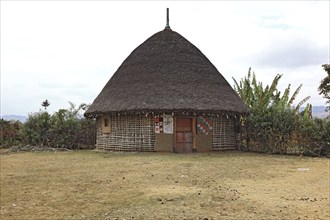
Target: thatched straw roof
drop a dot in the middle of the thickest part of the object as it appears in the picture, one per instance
(167, 73)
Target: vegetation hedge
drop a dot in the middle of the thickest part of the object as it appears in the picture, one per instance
(275, 125)
(63, 129)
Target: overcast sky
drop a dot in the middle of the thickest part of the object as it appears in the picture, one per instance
(67, 51)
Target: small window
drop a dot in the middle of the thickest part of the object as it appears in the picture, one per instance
(106, 125)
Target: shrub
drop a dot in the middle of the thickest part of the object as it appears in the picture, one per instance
(10, 133)
(64, 129)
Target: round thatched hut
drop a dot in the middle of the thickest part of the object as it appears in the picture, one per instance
(167, 96)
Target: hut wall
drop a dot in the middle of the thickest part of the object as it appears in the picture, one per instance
(224, 133)
(203, 143)
(127, 133)
(164, 142)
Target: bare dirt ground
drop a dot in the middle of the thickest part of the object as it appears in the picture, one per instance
(225, 185)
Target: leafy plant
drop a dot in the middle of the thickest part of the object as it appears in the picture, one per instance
(10, 132)
(64, 129)
(324, 87)
(273, 120)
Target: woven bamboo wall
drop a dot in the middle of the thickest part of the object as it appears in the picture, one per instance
(128, 133)
(224, 133)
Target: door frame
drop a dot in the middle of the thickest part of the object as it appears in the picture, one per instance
(193, 131)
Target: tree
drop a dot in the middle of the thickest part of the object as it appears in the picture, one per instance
(324, 87)
(45, 104)
(74, 111)
(272, 119)
(10, 132)
(45, 124)
(36, 128)
(256, 96)
(64, 128)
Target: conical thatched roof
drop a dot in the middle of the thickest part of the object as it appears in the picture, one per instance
(167, 73)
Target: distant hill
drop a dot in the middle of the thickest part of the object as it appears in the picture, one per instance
(318, 111)
(15, 118)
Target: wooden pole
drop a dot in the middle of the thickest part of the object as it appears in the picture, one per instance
(167, 19)
(194, 134)
(174, 133)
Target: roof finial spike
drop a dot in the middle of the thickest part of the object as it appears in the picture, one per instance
(167, 19)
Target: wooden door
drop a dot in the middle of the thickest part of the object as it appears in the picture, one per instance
(184, 137)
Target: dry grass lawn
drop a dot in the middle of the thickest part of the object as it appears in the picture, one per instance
(226, 185)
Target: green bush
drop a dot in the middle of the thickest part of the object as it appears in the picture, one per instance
(10, 133)
(275, 126)
(314, 137)
(63, 129)
(36, 127)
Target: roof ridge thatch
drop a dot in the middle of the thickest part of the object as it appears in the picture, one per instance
(167, 73)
